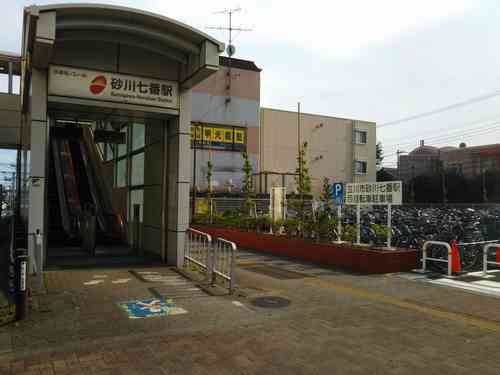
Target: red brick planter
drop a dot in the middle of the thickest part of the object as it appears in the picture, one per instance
(353, 258)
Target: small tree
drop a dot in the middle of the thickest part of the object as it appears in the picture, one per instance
(379, 154)
(326, 194)
(303, 182)
(247, 182)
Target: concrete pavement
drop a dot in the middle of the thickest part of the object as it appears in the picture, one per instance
(336, 323)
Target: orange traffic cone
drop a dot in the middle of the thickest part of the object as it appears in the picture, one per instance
(456, 267)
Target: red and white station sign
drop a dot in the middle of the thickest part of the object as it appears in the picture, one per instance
(112, 87)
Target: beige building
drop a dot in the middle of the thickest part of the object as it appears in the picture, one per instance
(341, 149)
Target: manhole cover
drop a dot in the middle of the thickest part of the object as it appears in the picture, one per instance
(271, 302)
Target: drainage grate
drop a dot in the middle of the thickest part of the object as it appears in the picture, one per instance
(275, 272)
(271, 302)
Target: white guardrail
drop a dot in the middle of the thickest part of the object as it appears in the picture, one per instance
(217, 258)
(425, 258)
(486, 250)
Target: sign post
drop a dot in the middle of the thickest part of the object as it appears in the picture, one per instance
(389, 226)
(338, 200)
(339, 223)
(375, 194)
(358, 224)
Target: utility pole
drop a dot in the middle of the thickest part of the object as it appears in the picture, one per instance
(483, 176)
(299, 150)
(231, 49)
(194, 143)
(399, 152)
(1, 200)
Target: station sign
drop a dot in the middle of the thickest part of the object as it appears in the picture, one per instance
(374, 193)
(112, 87)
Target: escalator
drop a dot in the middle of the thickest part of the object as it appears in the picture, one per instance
(80, 207)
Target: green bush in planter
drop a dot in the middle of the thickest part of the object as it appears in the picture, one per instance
(277, 225)
(349, 233)
(291, 226)
(263, 223)
(380, 230)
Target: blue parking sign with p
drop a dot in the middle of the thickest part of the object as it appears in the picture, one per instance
(338, 193)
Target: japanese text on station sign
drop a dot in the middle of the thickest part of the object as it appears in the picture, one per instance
(115, 87)
(374, 193)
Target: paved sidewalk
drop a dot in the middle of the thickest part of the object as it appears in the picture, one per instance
(336, 323)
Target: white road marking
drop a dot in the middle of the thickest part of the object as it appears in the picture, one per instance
(467, 286)
(491, 284)
(120, 281)
(93, 282)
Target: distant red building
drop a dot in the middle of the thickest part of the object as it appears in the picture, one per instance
(468, 161)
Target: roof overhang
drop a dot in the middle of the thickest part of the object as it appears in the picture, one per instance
(45, 25)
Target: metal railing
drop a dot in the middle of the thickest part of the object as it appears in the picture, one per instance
(425, 258)
(486, 250)
(224, 261)
(197, 249)
(217, 258)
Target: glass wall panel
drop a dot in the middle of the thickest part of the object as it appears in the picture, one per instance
(121, 173)
(138, 132)
(136, 197)
(109, 152)
(137, 170)
(122, 149)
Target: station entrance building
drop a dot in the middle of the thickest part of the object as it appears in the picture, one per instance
(105, 106)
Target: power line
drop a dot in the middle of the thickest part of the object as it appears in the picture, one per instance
(442, 109)
(479, 121)
(448, 139)
(454, 134)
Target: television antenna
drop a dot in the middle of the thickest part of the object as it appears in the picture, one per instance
(231, 49)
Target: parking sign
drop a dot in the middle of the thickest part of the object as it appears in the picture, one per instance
(338, 193)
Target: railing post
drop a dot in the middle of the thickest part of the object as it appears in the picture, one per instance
(424, 256)
(485, 260)
(22, 271)
(486, 249)
(232, 274)
(449, 260)
(213, 250)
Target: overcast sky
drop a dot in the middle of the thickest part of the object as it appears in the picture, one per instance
(372, 60)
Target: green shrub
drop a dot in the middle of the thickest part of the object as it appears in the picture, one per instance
(263, 223)
(292, 226)
(349, 233)
(380, 230)
(277, 225)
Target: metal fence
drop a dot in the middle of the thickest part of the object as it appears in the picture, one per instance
(216, 258)
(486, 252)
(224, 261)
(425, 258)
(197, 249)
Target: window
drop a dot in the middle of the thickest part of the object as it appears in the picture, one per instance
(138, 133)
(122, 149)
(109, 152)
(360, 137)
(136, 198)
(121, 173)
(360, 167)
(137, 170)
